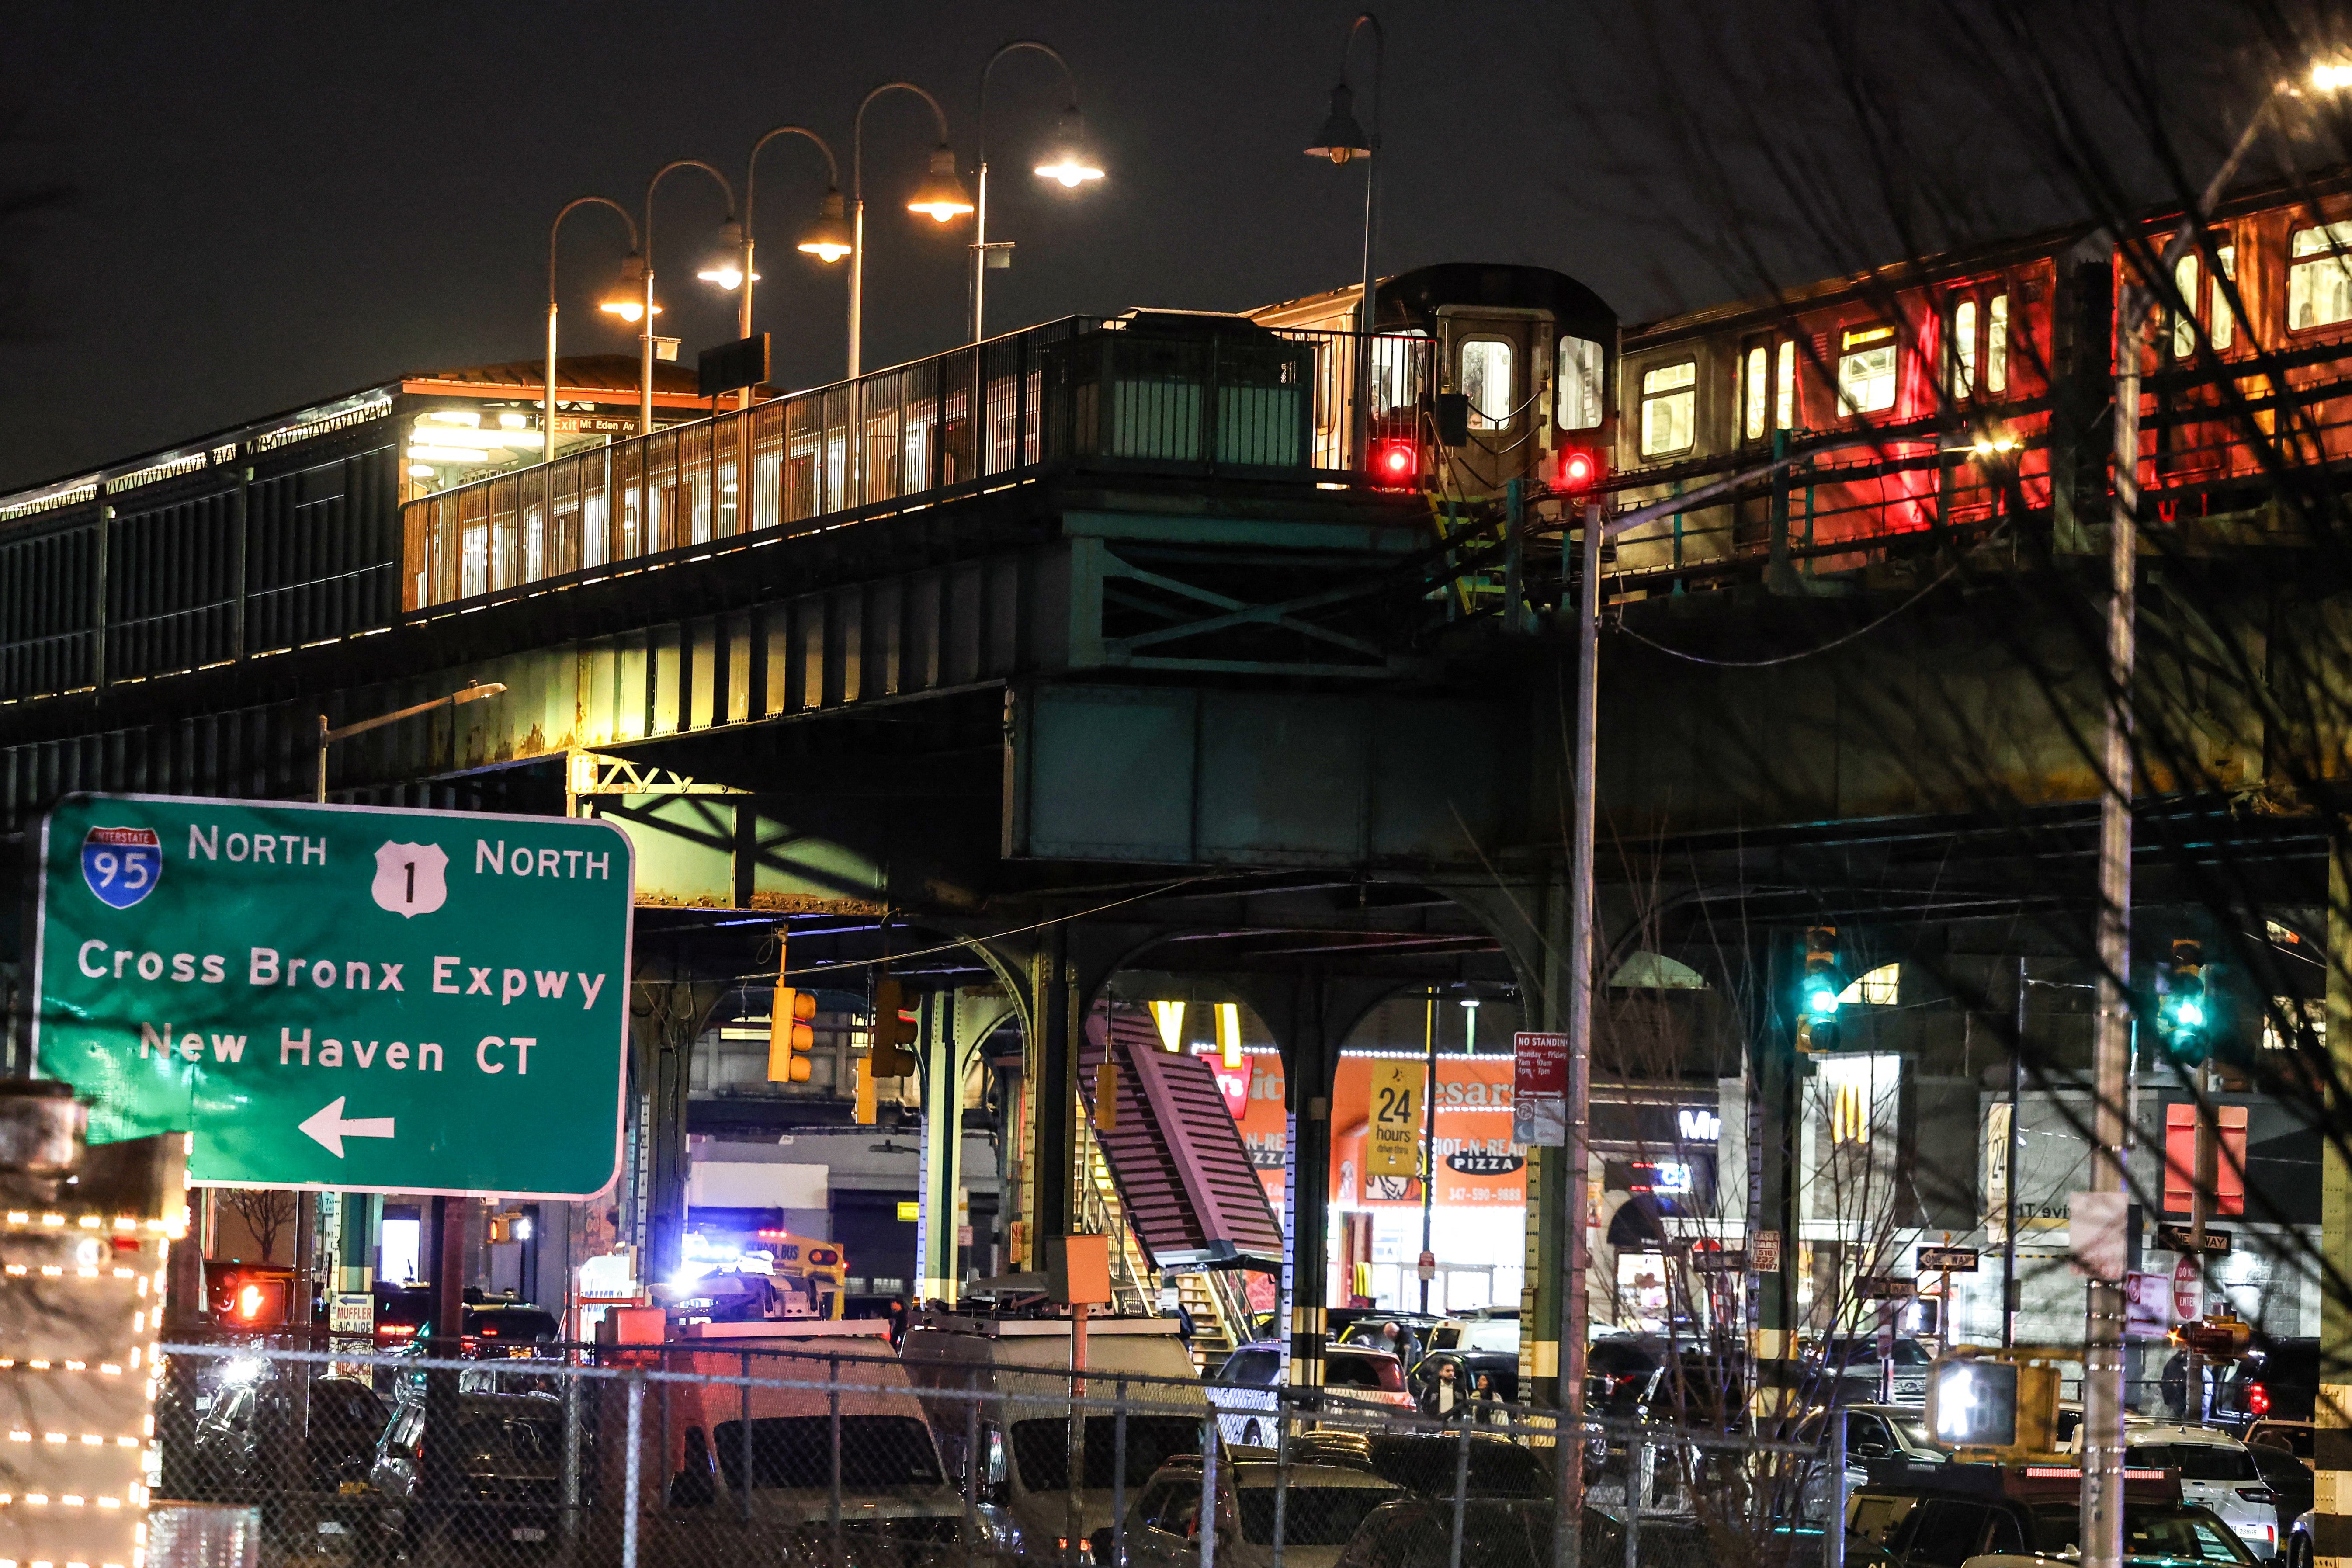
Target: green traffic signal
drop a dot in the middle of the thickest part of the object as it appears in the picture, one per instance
(2183, 1017)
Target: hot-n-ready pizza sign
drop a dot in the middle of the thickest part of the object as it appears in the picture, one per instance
(340, 996)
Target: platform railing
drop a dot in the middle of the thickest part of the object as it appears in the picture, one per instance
(1217, 397)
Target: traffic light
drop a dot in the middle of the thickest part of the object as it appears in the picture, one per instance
(1396, 463)
(2183, 1016)
(1817, 990)
(1998, 1405)
(791, 1037)
(2220, 1335)
(894, 1031)
(1580, 471)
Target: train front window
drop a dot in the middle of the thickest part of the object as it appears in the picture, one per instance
(1960, 351)
(1485, 376)
(1581, 371)
(2184, 322)
(1669, 408)
(1995, 361)
(2221, 326)
(1866, 370)
(2318, 278)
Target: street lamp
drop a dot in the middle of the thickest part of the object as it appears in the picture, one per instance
(940, 198)
(825, 238)
(1069, 161)
(647, 308)
(1342, 140)
(473, 693)
(2103, 1355)
(547, 417)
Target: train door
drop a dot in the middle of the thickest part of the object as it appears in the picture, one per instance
(1500, 360)
(1767, 372)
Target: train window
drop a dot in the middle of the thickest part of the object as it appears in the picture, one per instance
(1757, 391)
(1784, 410)
(1866, 370)
(1960, 352)
(2223, 322)
(1484, 374)
(1396, 362)
(1580, 372)
(2318, 278)
(2184, 322)
(1996, 360)
(1669, 408)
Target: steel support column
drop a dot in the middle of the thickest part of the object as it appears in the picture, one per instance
(2331, 1457)
(1051, 1066)
(667, 1016)
(941, 1055)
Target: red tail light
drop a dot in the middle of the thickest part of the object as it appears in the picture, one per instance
(1579, 470)
(2258, 1399)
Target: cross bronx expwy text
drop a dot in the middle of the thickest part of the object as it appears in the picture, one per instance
(265, 967)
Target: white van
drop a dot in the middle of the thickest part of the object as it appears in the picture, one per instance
(764, 1456)
(1020, 1368)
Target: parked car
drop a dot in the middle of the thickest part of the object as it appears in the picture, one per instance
(1873, 1434)
(2288, 1476)
(246, 1444)
(1244, 1390)
(510, 1446)
(1418, 1532)
(1937, 1516)
(1855, 1359)
(1325, 1504)
(1425, 1464)
(1630, 1377)
(1488, 1345)
(2278, 1379)
(2216, 1471)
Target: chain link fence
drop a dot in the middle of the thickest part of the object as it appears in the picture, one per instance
(708, 1455)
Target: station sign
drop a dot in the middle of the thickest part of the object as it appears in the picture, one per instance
(340, 997)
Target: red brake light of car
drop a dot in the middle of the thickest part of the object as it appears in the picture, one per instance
(2258, 1399)
(396, 1330)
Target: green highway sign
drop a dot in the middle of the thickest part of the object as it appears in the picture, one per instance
(339, 996)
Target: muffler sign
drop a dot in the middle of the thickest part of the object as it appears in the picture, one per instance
(340, 997)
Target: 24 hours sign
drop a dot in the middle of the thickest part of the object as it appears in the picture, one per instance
(340, 996)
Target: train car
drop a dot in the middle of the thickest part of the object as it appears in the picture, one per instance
(279, 533)
(1531, 352)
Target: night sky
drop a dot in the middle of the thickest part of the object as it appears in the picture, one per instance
(263, 204)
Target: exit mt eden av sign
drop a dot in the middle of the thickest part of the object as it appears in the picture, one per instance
(340, 997)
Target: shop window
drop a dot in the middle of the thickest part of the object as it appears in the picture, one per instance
(1784, 410)
(1669, 408)
(1580, 372)
(2180, 1159)
(2184, 322)
(1995, 361)
(2223, 322)
(1757, 395)
(1879, 988)
(2318, 278)
(1484, 377)
(1866, 370)
(1960, 352)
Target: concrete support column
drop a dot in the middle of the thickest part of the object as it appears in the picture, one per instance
(941, 1056)
(2331, 1452)
(1306, 1204)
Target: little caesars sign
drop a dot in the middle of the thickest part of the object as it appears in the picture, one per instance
(339, 996)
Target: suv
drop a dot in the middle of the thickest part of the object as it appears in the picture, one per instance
(1852, 1360)
(2279, 1380)
(2216, 1472)
(1914, 1516)
(1243, 1391)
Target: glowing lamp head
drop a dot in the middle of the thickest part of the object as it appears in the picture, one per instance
(725, 267)
(827, 238)
(2331, 77)
(942, 197)
(1341, 139)
(1071, 162)
(248, 1302)
(1821, 1002)
(627, 297)
(1395, 463)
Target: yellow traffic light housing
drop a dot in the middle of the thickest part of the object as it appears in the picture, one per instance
(893, 1054)
(791, 1035)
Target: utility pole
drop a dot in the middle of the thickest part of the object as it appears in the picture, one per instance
(1429, 1145)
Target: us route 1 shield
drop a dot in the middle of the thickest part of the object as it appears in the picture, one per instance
(340, 997)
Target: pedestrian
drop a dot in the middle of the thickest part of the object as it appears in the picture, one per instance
(1395, 1337)
(1444, 1394)
(1492, 1410)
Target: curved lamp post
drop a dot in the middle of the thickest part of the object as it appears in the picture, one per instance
(940, 198)
(1070, 161)
(547, 417)
(646, 268)
(1343, 140)
(827, 238)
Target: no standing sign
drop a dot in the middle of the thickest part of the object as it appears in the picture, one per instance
(340, 996)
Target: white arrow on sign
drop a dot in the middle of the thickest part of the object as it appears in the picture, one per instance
(330, 1128)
